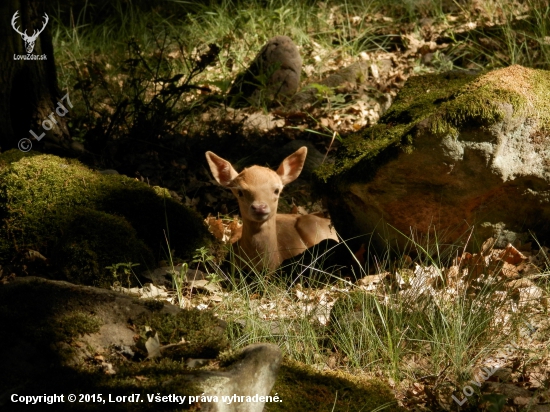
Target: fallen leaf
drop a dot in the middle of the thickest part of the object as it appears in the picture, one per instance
(512, 255)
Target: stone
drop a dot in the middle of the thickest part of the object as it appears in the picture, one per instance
(83, 221)
(252, 376)
(109, 172)
(455, 151)
(273, 75)
(60, 337)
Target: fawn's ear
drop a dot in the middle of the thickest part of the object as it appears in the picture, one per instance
(221, 169)
(291, 167)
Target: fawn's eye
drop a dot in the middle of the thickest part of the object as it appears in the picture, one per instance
(240, 193)
(277, 191)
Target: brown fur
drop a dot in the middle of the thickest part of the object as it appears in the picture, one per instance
(269, 238)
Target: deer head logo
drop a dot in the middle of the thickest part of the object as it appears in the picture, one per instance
(29, 40)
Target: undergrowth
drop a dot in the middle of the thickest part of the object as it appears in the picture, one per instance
(418, 321)
(150, 81)
(146, 73)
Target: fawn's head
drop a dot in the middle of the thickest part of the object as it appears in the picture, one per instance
(257, 188)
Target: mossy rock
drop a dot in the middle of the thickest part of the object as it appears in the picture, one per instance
(373, 146)
(94, 240)
(455, 152)
(44, 198)
(444, 104)
(48, 329)
(72, 339)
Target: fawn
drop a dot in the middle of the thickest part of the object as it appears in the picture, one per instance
(269, 238)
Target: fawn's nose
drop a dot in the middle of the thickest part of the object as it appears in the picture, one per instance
(259, 208)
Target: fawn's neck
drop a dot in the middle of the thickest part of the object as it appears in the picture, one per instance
(258, 244)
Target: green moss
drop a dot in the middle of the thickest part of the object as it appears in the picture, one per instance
(14, 155)
(153, 305)
(301, 388)
(201, 331)
(366, 146)
(423, 94)
(94, 240)
(161, 191)
(76, 324)
(445, 104)
(155, 217)
(43, 196)
(481, 101)
(229, 357)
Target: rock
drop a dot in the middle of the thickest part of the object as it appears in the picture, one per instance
(64, 338)
(503, 236)
(384, 66)
(196, 363)
(455, 151)
(262, 121)
(274, 74)
(252, 376)
(163, 276)
(84, 221)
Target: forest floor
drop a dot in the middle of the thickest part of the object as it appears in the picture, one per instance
(148, 84)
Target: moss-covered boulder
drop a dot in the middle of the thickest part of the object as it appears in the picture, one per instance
(64, 338)
(455, 150)
(94, 240)
(85, 221)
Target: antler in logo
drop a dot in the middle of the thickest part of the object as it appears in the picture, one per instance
(29, 40)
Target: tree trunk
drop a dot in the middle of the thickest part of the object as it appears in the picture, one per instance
(29, 93)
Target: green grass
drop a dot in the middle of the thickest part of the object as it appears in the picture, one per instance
(115, 57)
(404, 335)
(345, 27)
